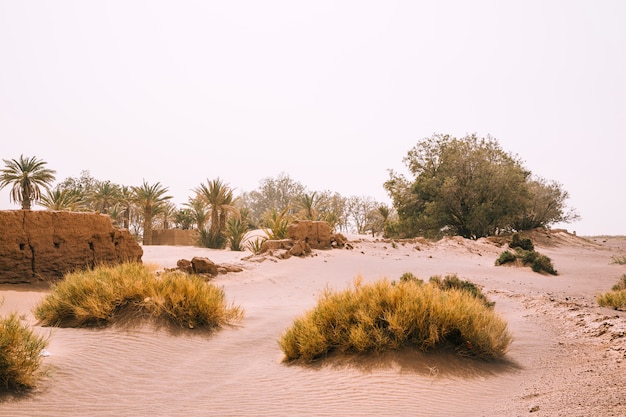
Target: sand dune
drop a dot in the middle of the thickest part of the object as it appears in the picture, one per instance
(567, 357)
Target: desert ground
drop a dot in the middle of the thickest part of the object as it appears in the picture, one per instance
(567, 358)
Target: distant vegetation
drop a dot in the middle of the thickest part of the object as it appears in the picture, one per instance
(472, 188)
(20, 354)
(391, 315)
(524, 253)
(616, 298)
(101, 296)
(468, 187)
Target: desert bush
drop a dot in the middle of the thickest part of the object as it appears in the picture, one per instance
(505, 258)
(99, 296)
(408, 276)
(255, 245)
(542, 263)
(453, 282)
(236, 229)
(277, 223)
(616, 298)
(381, 316)
(523, 243)
(206, 239)
(532, 258)
(20, 354)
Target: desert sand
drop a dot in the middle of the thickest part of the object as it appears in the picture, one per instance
(567, 358)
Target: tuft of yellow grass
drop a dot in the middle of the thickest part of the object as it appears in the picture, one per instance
(99, 296)
(616, 298)
(20, 354)
(386, 316)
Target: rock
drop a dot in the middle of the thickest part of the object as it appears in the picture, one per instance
(202, 265)
(44, 245)
(300, 248)
(185, 266)
(273, 245)
(316, 233)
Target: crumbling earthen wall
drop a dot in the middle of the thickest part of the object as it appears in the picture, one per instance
(44, 245)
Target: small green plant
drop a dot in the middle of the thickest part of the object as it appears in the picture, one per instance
(616, 298)
(255, 245)
(382, 316)
(505, 258)
(236, 229)
(20, 354)
(98, 297)
(277, 224)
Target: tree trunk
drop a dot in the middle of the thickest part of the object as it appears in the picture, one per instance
(147, 229)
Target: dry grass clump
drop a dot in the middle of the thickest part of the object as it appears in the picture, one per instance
(616, 298)
(97, 297)
(20, 354)
(387, 316)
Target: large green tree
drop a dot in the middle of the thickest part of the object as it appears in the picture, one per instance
(151, 200)
(467, 186)
(27, 177)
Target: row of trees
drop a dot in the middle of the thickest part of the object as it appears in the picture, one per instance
(468, 187)
(213, 209)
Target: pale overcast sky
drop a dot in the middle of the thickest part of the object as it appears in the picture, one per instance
(333, 93)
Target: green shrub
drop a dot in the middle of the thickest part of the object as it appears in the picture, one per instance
(20, 354)
(453, 282)
(522, 243)
(236, 229)
(543, 263)
(537, 261)
(213, 241)
(381, 316)
(505, 258)
(616, 298)
(255, 245)
(100, 296)
(408, 276)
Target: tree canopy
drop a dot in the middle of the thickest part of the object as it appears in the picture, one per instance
(27, 176)
(470, 187)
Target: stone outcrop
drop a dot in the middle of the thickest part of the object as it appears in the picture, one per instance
(204, 266)
(316, 234)
(302, 237)
(43, 245)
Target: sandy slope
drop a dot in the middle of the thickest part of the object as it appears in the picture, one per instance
(567, 358)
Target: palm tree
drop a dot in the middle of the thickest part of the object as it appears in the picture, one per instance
(183, 218)
(105, 195)
(27, 176)
(151, 200)
(219, 199)
(61, 199)
(168, 212)
(126, 200)
(198, 211)
(308, 206)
